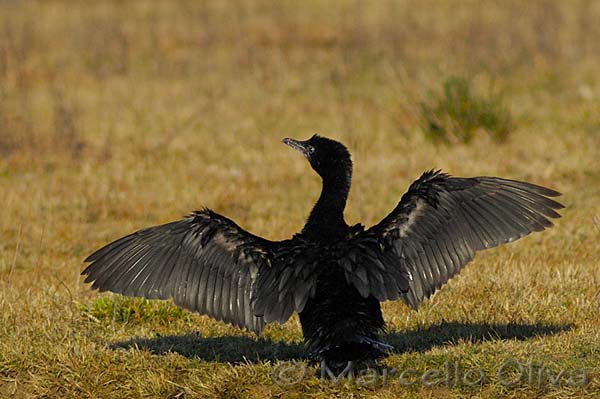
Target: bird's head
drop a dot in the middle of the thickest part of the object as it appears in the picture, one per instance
(329, 158)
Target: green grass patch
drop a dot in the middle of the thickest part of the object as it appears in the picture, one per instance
(125, 310)
(457, 113)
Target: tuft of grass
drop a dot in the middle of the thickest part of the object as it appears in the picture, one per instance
(459, 112)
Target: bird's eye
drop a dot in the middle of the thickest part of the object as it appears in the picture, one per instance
(311, 149)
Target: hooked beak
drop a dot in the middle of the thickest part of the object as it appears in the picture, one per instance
(297, 145)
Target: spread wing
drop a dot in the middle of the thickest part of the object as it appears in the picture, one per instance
(442, 221)
(205, 262)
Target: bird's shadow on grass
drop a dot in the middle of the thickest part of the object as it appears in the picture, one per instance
(239, 349)
(232, 349)
(452, 333)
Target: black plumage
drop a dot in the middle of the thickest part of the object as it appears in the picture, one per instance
(333, 275)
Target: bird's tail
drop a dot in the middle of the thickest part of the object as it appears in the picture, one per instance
(359, 348)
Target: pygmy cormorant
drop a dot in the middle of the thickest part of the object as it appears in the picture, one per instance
(333, 275)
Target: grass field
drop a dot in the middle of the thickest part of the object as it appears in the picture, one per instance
(119, 115)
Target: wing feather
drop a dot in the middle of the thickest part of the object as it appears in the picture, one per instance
(204, 262)
(442, 221)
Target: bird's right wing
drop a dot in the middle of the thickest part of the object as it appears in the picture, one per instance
(205, 262)
(442, 221)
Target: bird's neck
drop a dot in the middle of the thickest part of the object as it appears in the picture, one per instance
(326, 220)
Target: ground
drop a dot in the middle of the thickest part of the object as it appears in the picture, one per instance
(118, 115)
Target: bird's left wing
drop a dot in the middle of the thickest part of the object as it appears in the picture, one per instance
(205, 262)
(286, 286)
(442, 221)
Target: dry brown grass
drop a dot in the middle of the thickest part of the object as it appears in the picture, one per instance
(118, 115)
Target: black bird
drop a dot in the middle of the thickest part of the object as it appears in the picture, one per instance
(333, 275)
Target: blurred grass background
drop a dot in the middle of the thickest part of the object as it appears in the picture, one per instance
(115, 115)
